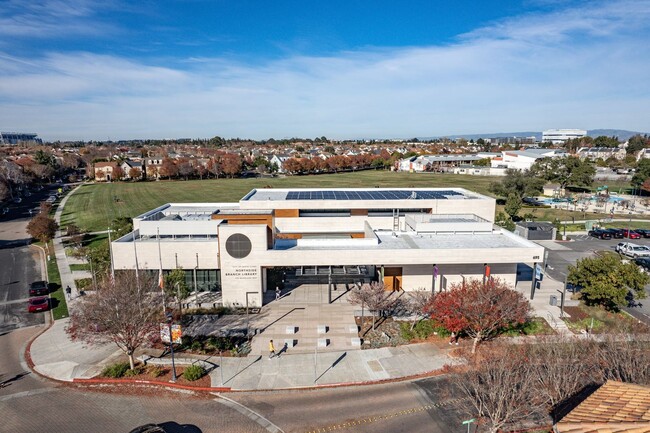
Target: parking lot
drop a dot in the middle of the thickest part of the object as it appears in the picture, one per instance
(562, 254)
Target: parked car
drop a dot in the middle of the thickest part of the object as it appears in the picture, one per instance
(620, 246)
(616, 233)
(644, 263)
(643, 232)
(148, 428)
(38, 288)
(34, 305)
(600, 234)
(631, 234)
(634, 250)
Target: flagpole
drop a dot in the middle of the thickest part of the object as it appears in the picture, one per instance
(135, 253)
(110, 250)
(161, 281)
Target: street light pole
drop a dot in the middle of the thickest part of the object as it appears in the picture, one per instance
(171, 346)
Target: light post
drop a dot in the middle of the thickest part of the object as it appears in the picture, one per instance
(171, 345)
(629, 225)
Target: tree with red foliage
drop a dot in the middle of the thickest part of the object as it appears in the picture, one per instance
(118, 173)
(231, 164)
(291, 165)
(479, 309)
(168, 168)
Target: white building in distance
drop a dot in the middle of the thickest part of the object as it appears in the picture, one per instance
(560, 136)
(407, 238)
(524, 159)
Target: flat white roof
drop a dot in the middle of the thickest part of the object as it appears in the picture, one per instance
(411, 240)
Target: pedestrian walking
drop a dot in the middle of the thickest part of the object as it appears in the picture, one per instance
(277, 293)
(68, 292)
(452, 338)
(271, 349)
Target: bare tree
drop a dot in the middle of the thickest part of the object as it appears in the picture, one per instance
(624, 359)
(500, 389)
(373, 296)
(416, 304)
(126, 311)
(560, 368)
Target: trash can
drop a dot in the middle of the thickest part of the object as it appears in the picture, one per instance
(553, 300)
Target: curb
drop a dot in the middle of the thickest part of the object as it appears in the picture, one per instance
(150, 382)
(95, 381)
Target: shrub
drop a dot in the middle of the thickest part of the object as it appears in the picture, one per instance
(136, 371)
(219, 344)
(196, 346)
(423, 329)
(115, 370)
(194, 372)
(156, 371)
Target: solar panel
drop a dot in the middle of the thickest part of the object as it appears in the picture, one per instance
(371, 195)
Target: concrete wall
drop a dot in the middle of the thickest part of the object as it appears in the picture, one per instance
(147, 252)
(421, 276)
(150, 228)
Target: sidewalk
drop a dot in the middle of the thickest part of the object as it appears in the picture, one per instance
(67, 277)
(258, 372)
(541, 304)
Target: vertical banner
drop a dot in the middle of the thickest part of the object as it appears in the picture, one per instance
(177, 333)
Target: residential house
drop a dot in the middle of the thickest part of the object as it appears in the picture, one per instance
(593, 153)
(151, 166)
(279, 160)
(104, 171)
(615, 407)
(128, 165)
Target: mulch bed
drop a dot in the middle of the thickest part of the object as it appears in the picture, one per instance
(166, 376)
(576, 313)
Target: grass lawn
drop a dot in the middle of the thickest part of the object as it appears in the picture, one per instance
(94, 206)
(80, 267)
(60, 307)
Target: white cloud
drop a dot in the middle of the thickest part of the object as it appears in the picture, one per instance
(576, 68)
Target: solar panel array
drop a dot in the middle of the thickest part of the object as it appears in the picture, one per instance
(371, 195)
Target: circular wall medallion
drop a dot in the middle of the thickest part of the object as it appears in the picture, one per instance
(238, 246)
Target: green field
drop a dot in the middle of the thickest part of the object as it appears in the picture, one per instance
(94, 206)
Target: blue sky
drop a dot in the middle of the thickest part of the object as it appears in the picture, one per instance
(85, 69)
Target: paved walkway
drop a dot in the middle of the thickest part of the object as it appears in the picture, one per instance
(289, 370)
(541, 304)
(67, 277)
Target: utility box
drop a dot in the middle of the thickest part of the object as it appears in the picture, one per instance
(553, 300)
(536, 231)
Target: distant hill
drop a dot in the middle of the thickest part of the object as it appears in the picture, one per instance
(622, 134)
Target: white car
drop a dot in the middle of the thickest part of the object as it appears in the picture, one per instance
(634, 251)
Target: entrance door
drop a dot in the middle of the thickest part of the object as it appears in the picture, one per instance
(392, 278)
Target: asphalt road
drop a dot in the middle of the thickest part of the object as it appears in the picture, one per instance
(419, 406)
(586, 246)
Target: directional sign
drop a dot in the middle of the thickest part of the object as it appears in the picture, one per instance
(469, 421)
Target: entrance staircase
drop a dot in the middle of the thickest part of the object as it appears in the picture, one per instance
(306, 328)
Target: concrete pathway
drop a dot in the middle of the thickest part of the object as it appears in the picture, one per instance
(541, 302)
(290, 370)
(54, 355)
(67, 277)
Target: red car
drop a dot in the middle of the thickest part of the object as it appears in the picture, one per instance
(631, 234)
(42, 303)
